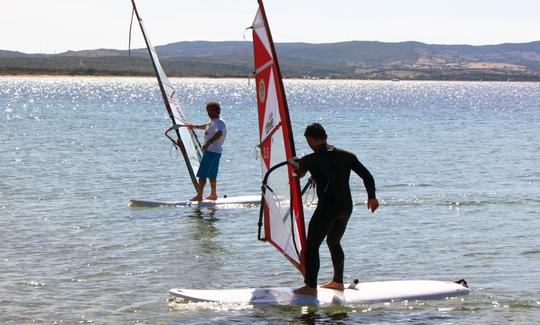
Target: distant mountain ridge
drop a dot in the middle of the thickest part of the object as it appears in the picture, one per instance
(354, 59)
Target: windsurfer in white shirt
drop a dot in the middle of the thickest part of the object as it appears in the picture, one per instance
(214, 137)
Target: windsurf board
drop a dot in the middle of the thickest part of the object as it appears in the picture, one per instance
(224, 201)
(362, 293)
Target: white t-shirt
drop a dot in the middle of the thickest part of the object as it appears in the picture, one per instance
(216, 124)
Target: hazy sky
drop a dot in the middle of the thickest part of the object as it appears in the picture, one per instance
(53, 26)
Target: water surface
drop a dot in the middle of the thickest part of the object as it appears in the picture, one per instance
(456, 166)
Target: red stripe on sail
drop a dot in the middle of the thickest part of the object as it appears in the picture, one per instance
(261, 55)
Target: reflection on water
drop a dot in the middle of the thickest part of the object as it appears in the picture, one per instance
(204, 213)
(203, 224)
(315, 315)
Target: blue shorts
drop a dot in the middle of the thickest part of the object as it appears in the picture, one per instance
(209, 165)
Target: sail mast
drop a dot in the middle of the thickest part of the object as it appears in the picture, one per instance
(281, 206)
(170, 99)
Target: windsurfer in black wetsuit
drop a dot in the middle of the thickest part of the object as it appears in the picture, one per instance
(331, 168)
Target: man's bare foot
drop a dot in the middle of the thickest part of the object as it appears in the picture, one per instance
(333, 285)
(305, 290)
(196, 198)
(212, 197)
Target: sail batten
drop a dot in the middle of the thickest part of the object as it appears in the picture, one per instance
(281, 208)
(186, 140)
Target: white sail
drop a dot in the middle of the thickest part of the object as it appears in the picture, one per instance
(186, 140)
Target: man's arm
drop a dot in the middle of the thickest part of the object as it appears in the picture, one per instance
(212, 139)
(369, 183)
(198, 126)
(299, 166)
(191, 126)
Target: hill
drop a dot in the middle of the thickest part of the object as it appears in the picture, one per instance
(355, 59)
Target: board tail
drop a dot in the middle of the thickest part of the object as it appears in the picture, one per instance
(281, 205)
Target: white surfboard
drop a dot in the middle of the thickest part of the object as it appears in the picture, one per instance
(367, 292)
(225, 201)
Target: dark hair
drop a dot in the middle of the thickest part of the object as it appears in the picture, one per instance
(316, 131)
(214, 105)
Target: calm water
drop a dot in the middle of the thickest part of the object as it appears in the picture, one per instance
(457, 166)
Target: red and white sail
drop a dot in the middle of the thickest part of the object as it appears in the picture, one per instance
(186, 140)
(282, 211)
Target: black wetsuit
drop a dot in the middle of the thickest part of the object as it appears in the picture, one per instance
(331, 168)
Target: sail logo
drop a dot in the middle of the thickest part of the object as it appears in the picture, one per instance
(262, 91)
(269, 125)
(265, 153)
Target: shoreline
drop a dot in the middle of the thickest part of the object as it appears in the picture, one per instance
(60, 76)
